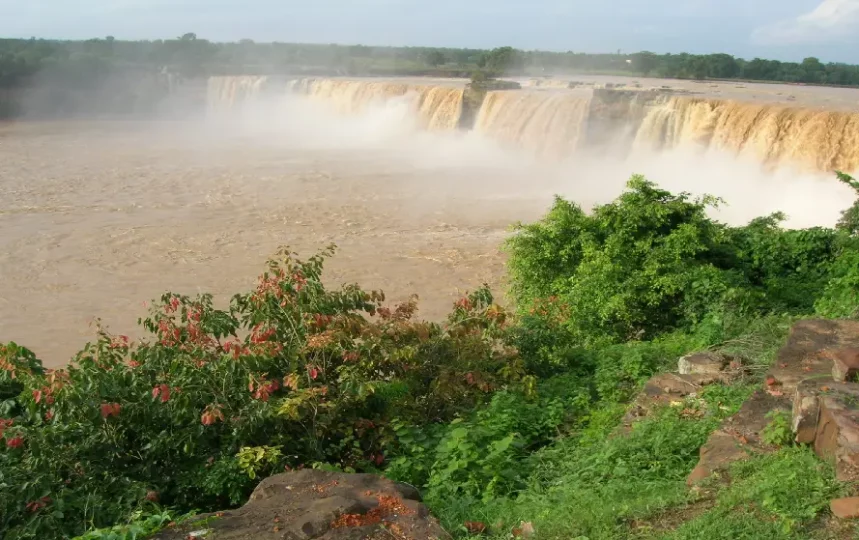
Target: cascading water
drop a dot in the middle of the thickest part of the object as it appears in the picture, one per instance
(436, 107)
(225, 93)
(547, 123)
(555, 123)
(774, 134)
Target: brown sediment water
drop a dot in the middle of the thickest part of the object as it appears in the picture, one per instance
(98, 217)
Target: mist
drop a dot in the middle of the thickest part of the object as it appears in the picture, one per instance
(471, 165)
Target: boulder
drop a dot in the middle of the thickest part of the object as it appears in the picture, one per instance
(826, 415)
(718, 453)
(312, 504)
(737, 437)
(665, 389)
(845, 364)
(672, 385)
(703, 363)
(806, 411)
(846, 508)
(808, 352)
(837, 436)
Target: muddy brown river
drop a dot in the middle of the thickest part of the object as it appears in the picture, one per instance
(98, 217)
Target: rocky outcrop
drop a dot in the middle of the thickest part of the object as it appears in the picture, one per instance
(313, 504)
(845, 365)
(695, 371)
(846, 508)
(801, 381)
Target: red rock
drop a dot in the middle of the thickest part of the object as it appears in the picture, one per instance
(706, 363)
(846, 508)
(806, 411)
(845, 364)
(837, 436)
(720, 450)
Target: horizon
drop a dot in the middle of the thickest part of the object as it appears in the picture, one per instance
(617, 52)
(785, 31)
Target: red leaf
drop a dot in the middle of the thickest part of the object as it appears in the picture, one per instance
(16, 442)
(475, 527)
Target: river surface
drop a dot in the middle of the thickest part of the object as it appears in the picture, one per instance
(96, 218)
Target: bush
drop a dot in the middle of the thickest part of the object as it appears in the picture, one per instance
(482, 454)
(289, 375)
(849, 221)
(651, 263)
(640, 266)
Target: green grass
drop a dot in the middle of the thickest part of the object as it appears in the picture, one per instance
(597, 485)
(774, 496)
(593, 486)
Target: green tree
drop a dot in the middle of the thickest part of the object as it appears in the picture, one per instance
(435, 58)
(644, 62)
(504, 59)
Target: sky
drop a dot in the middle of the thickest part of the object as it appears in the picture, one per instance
(779, 29)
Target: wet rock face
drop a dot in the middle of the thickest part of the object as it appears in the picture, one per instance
(310, 504)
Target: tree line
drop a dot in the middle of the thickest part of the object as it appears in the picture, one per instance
(129, 76)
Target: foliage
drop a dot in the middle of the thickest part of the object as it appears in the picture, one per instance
(850, 218)
(639, 266)
(260, 458)
(592, 484)
(652, 263)
(107, 75)
(291, 374)
(778, 431)
(770, 496)
(840, 299)
(140, 526)
(483, 454)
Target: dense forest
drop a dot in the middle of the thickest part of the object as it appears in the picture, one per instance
(68, 73)
(190, 56)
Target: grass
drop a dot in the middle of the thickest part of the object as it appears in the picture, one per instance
(773, 496)
(597, 485)
(594, 486)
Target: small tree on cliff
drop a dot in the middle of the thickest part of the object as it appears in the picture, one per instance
(850, 218)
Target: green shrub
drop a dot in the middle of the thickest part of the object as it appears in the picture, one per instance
(482, 455)
(644, 264)
(778, 431)
(840, 298)
(849, 221)
(651, 262)
(292, 373)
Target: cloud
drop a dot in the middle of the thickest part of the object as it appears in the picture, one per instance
(831, 21)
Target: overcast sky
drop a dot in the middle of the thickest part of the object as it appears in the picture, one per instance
(783, 29)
